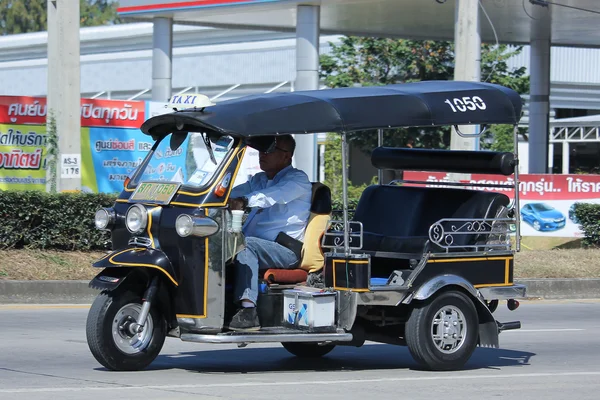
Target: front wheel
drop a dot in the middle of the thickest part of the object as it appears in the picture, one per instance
(109, 338)
(442, 333)
(308, 350)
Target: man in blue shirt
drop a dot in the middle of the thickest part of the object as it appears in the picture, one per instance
(279, 198)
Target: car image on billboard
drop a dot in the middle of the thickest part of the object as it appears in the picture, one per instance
(543, 217)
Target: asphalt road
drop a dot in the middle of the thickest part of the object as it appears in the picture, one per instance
(556, 355)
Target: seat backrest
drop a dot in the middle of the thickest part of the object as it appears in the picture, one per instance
(320, 212)
(482, 205)
(409, 211)
(389, 210)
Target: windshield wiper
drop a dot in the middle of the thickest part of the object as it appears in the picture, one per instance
(209, 147)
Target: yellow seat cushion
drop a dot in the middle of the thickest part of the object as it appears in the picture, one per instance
(312, 256)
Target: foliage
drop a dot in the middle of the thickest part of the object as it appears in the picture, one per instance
(367, 61)
(23, 16)
(333, 169)
(61, 221)
(587, 216)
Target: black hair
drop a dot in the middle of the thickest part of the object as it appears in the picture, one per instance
(288, 141)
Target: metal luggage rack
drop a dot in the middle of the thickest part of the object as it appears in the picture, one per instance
(444, 232)
(335, 230)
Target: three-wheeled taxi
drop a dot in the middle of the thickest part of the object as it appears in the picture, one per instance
(417, 265)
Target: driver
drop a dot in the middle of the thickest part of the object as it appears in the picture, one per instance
(279, 199)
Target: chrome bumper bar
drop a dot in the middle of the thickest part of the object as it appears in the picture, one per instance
(263, 338)
(516, 291)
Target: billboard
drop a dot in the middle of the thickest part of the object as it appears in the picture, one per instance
(112, 145)
(546, 201)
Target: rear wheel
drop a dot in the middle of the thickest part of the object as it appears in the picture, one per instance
(308, 350)
(109, 336)
(442, 333)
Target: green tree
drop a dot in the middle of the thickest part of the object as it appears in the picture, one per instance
(333, 170)
(368, 61)
(23, 16)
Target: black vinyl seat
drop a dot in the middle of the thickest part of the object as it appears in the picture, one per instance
(397, 218)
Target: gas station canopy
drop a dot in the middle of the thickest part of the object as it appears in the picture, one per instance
(410, 19)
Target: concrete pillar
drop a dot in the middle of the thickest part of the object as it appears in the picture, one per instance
(64, 94)
(467, 43)
(565, 157)
(307, 78)
(539, 100)
(52, 98)
(162, 57)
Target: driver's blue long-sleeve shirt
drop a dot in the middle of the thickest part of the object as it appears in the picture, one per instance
(281, 204)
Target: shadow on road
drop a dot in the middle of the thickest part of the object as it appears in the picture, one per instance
(369, 357)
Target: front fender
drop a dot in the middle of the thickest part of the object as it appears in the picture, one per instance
(139, 257)
(488, 328)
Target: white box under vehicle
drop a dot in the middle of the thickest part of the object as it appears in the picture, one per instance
(309, 309)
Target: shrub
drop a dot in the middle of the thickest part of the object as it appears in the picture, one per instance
(61, 221)
(588, 217)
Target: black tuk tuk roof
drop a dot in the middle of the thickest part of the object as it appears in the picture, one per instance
(417, 104)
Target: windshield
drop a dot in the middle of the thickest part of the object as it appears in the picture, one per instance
(185, 158)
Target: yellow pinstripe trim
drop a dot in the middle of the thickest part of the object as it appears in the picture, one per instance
(335, 280)
(149, 228)
(433, 260)
(110, 260)
(506, 268)
(190, 316)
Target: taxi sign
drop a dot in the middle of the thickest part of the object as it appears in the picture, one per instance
(185, 101)
(154, 192)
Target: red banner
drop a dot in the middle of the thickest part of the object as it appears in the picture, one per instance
(25, 110)
(531, 186)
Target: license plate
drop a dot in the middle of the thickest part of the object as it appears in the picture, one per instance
(154, 192)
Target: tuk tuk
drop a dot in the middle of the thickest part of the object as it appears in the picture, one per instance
(416, 265)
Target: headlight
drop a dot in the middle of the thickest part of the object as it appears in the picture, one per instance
(136, 218)
(104, 218)
(184, 225)
(187, 225)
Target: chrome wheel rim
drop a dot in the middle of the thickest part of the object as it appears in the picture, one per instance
(449, 329)
(125, 341)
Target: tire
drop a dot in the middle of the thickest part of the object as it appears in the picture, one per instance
(421, 331)
(116, 349)
(307, 350)
(536, 225)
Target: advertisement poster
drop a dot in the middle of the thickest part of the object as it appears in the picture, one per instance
(22, 157)
(546, 201)
(111, 143)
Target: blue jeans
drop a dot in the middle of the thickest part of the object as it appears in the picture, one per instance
(259, 254)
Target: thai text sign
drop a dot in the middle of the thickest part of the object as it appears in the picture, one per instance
(546, 201)
(25, 110)
(109, 128)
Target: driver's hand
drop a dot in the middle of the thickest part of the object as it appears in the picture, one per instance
(236, 203)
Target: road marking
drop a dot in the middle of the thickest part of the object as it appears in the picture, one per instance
(545, 330)
(42, 307)
(434, 377)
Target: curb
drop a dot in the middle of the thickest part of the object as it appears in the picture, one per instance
(46, 292)
(78, 292)
(581, 288)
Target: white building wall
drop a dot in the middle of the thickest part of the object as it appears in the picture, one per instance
(117, 61)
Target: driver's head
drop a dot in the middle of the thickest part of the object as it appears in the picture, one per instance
(279, 156)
